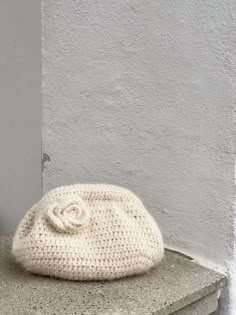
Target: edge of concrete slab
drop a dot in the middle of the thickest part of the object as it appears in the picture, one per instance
(205, 306)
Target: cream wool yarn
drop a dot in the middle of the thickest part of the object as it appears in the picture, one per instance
(88, 232)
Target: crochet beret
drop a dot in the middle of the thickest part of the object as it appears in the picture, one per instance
(88, 232)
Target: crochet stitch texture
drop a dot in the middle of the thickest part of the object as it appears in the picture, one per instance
(88, 232)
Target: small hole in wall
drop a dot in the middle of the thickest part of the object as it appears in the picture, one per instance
(45, 158)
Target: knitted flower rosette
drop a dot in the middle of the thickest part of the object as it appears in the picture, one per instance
(88, 232)
(68, 216)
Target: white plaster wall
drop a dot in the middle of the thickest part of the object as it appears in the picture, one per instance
(20, 110)
(141, 94)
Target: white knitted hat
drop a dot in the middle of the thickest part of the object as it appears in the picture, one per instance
(88, 232)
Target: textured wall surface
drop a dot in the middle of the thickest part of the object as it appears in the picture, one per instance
(20, 110)
(141, 94)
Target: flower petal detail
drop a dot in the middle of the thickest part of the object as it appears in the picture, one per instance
(68, 216)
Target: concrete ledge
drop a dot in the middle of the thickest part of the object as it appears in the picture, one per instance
(177, 286)
(205, 306)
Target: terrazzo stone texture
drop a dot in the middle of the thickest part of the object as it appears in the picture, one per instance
(175, 283)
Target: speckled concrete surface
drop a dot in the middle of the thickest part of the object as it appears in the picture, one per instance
(176, 282)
